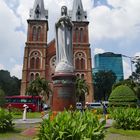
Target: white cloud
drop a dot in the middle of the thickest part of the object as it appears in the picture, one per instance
(16, 71)
(98, 50)
(11, 41)
(12, 60)
(119, 22)
(137, 54)
(54, 8)
(1, 67)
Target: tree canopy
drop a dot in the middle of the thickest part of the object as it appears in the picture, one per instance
(136, 74)
(81, 89)
(122, 96)
(130, 83)
(135, 77)
(10, 85)
(103, 82)
(39, 87)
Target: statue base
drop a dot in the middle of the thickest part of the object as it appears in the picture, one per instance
(63, 91)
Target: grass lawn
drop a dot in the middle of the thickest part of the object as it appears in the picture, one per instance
(19, 132)
(119, 134)
(112, 134)
(14, 135)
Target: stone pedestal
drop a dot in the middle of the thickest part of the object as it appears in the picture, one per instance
(63, 91)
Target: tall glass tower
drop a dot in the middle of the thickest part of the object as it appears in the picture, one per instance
(109, 61)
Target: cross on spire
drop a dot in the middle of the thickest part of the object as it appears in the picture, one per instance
(38, 12)
(78, 13)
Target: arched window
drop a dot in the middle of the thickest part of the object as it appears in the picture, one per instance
(37, 63)
(77, 35)
(77, 63)
(31, 77)
(34, 34)
(32, 63)
(37, 75)
(39, 33)
(81, 35)
(82, 63)
(35, 60)
(78, 75)
(82, 76)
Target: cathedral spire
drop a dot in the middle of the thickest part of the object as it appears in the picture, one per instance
(78, 13)
(38, 12)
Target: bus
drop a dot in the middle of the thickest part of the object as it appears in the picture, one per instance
(33, 102)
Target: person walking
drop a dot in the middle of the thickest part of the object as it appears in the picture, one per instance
(104, 109)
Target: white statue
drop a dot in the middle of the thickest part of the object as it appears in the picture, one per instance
(25, 112)
(64, 51)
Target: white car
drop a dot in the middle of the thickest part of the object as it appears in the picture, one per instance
(94, 105)
(45, 107)
(79, 105)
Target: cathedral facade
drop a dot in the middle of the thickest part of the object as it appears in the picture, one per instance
(40, 55)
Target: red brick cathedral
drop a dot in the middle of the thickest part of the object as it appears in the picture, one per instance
(39, 55)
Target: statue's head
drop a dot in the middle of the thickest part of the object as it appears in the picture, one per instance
(64, 11)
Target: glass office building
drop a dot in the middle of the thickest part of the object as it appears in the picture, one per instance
(109, 61)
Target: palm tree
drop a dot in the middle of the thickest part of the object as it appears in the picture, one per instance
(81, 90)
(39, 87)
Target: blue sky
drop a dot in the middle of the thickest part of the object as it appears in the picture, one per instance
(114, 27)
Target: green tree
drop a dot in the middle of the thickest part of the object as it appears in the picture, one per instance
(2, 98)
(136, 74)
(103, 82)
(135, 77)
(126, 82)
(10, 85)
(39, 87)
(81, 90)
(130, 83)
(123, 96)
(137, 90)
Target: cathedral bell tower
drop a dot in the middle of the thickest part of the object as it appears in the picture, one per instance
(35, 49)
(81, 46)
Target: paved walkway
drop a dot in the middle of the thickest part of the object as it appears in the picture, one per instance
(38, 120)
(109, 123)
(31, 126)
(29, 121)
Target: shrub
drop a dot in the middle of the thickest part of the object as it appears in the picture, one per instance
(122, 96)
(128, 118)
(72, 126)
(16, 111)
(99, 110)
(5, 121)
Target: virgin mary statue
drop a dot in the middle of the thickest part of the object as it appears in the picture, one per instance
(64, 51)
